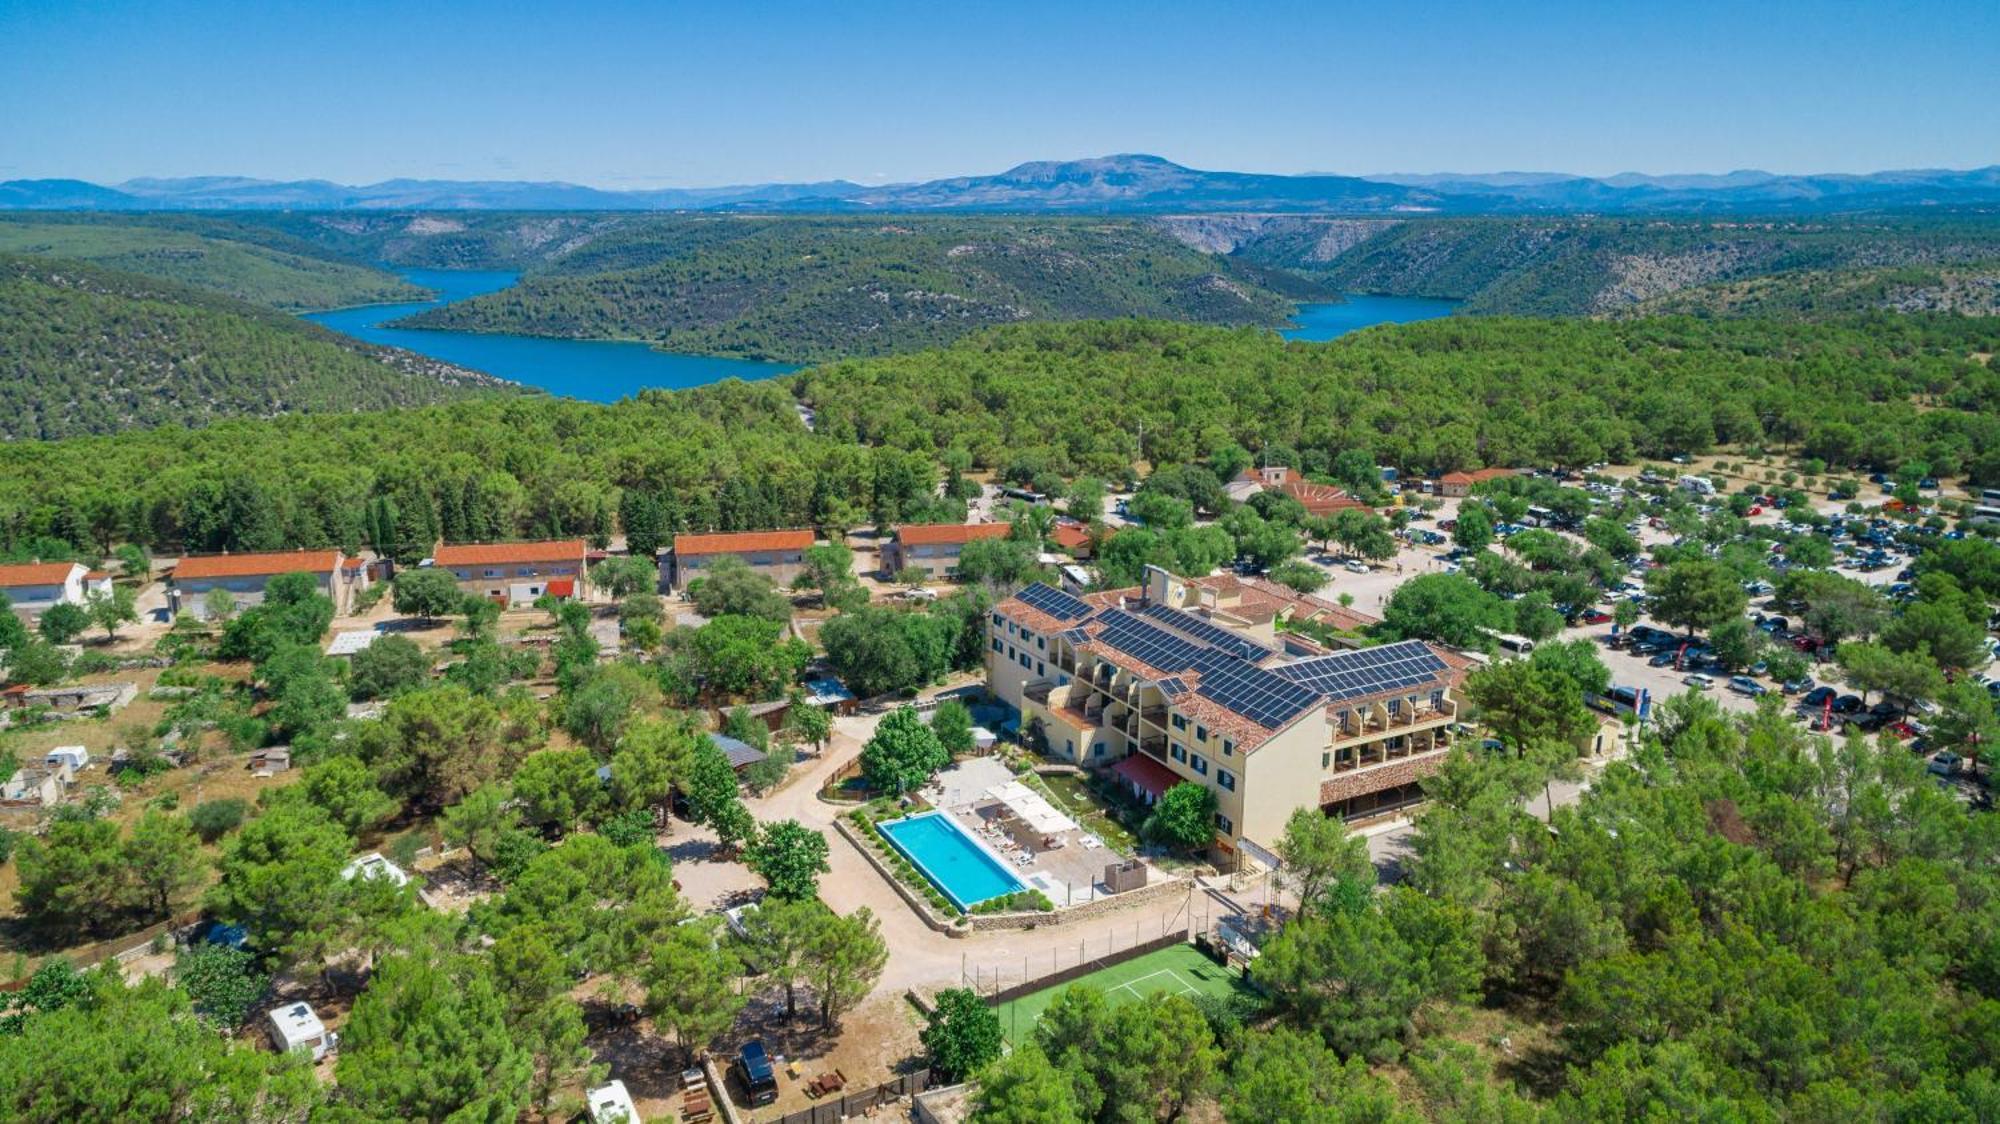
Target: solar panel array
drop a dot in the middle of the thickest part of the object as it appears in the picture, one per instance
(1186, 623)
(1226, 678)
(1369, 671)
(1173, 687)
(1048, 599)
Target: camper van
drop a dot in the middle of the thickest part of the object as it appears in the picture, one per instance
(1517, 647)
(1697, 485)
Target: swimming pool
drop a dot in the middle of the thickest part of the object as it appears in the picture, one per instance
(951, 858)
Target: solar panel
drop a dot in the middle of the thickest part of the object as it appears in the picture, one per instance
(1369, 671)
(1048, 599)
(1251, 691)
(1187, 624)
(1173, 687)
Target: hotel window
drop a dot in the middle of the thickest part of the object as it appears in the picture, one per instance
(1097, 749)
(1437, 698)
(997, 645)
(1042, 642)
(524, 571)
(1395, 707)
(1041, 668)
(998, 619)
(1179, 722)
(1225, 823)
(1176, 752)
(1027, 660)
(1201, 733)
(1200, 764)
(492, 573)
(1226, 779)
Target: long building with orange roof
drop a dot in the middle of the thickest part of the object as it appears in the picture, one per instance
(778, 555)
(193, 580)
(511, 572)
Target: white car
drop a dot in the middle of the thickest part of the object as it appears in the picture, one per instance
(1356, 567)
(1699, 681)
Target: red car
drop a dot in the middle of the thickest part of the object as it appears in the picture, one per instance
(1804, 643)
(1596, 616)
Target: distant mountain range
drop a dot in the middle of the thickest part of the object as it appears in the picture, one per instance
(1122, 184)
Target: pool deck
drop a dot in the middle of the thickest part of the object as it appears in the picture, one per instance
(1069, 874)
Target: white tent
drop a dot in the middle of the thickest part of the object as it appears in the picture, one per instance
(1031, 807)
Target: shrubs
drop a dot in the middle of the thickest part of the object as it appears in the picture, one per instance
(1020, 901)
(213, 819)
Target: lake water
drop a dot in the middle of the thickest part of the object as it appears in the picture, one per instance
(595, 370)
(1326, 321)
(601, 371)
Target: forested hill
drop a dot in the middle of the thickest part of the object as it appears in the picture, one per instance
(1968, 290)
(807, 289)
(1034, 400)
(1580, 266)
(253, 264)
(89, 350)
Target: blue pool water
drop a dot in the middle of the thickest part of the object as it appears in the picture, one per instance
(950, 858)
(595, 370)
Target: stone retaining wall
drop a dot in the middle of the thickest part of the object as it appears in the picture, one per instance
(987, 922)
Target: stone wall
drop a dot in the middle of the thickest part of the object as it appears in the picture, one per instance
(1109, 903)
(950, 927)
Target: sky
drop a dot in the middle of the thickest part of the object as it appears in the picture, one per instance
(646, 94)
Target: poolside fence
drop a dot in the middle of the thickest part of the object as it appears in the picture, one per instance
(1064, 962)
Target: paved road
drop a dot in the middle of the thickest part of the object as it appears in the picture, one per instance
(920, 956)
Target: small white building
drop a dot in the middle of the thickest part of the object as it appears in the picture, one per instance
(31, 587)
(295, 1026)
(74, 756)
(611, 1104)
(374, 865)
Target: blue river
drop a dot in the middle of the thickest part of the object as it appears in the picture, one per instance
(1359, 310)
(594, 370)
(604, 371)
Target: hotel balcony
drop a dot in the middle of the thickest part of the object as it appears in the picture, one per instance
(1423, 743)
(1039, 690)
(1154, 746)
(1155, 715)
(1381, 723)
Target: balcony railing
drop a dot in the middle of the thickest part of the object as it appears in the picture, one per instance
(1374, 727)
(1157, 715)
(1154, 747)
(1039, 690)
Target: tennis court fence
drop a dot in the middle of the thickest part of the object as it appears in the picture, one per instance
(1003, 984)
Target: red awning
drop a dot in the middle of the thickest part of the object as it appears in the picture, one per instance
(562, 587)
(1149, 775)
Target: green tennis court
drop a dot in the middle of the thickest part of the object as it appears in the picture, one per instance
(1178, 969)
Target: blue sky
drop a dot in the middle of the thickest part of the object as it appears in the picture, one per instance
(647, 94)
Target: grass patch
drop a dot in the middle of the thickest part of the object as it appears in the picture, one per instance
(1100, 814)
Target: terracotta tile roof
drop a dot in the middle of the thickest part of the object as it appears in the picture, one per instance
(1322, 499)
(509, 553)
(36, 573)
(1477, 476)
(935, 534)
(1361, 782)
(257, 565)
(353, 563)
(1070, 535)
(742, 542)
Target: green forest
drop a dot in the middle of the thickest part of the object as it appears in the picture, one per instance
(91, 350)
(808, 289)
(1811, 293)
(1580, 266)
(259, 267)
(1031, 402)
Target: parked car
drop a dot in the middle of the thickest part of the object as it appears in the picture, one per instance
(1817, 698)
(1847, 704)
(1699, 681)
(1663, 659)
(1945, 764)
(1744, 685)
(753, 1065)
(1595, 616)
(1794, 686)
(1355, 566)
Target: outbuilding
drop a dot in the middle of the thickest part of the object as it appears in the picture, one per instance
(295, 1026)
